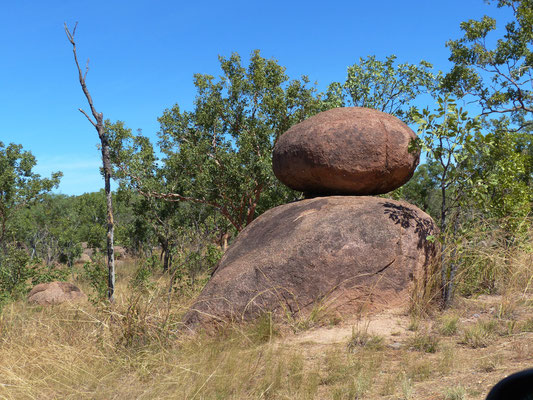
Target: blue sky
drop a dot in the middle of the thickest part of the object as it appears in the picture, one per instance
(143, 55)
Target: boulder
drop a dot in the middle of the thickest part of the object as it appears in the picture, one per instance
(348, 252)
(55, 293)
(119, 252)
(349, 151)
(84, 258)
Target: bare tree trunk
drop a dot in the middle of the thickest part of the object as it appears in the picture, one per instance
(98, 124)
(453, 269)
(444, 267)
(110, 221)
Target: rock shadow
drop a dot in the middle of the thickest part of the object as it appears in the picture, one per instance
(408, 218)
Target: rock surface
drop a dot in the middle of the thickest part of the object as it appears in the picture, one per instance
(347, 251)
(350, 151)
(55, 293)
(84, 258)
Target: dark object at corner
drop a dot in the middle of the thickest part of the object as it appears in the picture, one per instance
(518, 386)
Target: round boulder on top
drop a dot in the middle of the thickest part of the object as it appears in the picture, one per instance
(346, 252)
(346, 151)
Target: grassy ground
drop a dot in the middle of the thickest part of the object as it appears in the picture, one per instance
(134, 350)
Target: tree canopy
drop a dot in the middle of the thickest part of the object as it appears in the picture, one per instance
(219, 154)
(383, 85)
(498, 75)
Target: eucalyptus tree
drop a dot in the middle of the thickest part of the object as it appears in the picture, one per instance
(383, 85)
(496, 71)
(20, 187)
(500, 177)
(447, 134)
(219, 154)
(50, 229)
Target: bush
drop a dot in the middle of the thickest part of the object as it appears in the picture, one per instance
(141, 278)
(15, 273)
(96, 274)
(425, 342)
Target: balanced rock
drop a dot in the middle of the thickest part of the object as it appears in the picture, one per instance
(346, 251)
(349, 151)
(55, 293)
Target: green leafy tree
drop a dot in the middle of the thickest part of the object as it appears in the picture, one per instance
(383, 85)
(498, 75)
(499, 178)
(446, 135)
(19, 188)
(422, 189)
(91, 212)
(19, 185)
(50, 229)
(219, 154)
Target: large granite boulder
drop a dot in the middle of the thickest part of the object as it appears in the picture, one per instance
(347, 251)
(349, 151)
(55, 293)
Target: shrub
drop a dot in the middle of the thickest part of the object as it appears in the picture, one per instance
(448, 325)
(96, 274)
(425, 342)
(480, 334)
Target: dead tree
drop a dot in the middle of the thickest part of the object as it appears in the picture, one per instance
(98, 123)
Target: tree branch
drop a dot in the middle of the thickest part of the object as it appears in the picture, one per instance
(89, 118)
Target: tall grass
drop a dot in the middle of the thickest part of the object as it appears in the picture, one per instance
(491, 260)
(136, 348)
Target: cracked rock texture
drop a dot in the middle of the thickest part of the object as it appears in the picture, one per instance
(348, 151)
(348, 252)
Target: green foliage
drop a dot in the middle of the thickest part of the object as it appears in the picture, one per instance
(448, 325)
(422, 189)
(19, 185)
(195, 257)
(383, 85)
(96, 274)
(50, 229)
(219, 154)
(445, 135)
(15, 272)
(91, 212)
(425, 342)
(141, 280)
(500, 185)
(498, 76)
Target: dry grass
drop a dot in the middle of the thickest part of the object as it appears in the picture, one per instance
(134, 350)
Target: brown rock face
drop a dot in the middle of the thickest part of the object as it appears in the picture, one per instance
(348, 251)
(55, 293)
(350, 151)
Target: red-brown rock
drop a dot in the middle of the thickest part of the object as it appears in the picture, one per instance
(55, 293)
(350, 151)
(348, 251)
